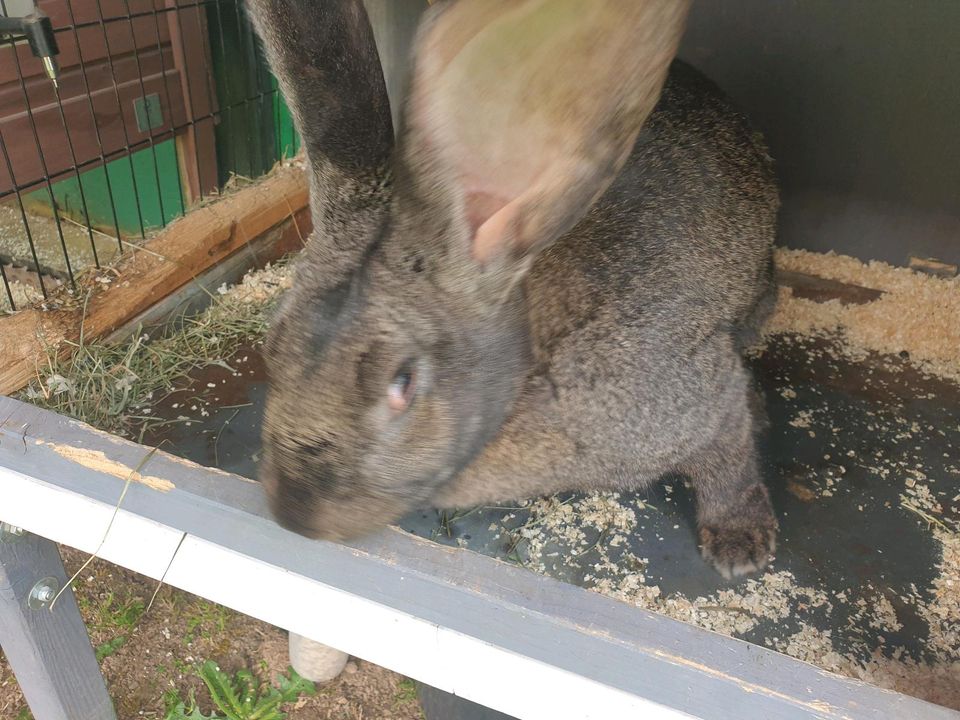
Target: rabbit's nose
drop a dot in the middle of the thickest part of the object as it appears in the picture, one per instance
(291, 514)
(292, 502)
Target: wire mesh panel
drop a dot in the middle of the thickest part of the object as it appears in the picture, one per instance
(116, 117)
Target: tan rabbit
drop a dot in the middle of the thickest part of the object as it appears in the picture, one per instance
(545, 287)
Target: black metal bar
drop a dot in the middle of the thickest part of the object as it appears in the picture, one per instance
(96, 129)
(76, 172)
(115, 154)
(228, 146)
(26, 224)
(244, 36)
(43, 161)
(190, 109)
(143, 93)
(6, 286)
(166, 91)
(123, 122)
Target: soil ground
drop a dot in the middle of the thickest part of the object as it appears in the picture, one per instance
(150, 657)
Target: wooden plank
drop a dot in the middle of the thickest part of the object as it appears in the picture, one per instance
(819, 289)
(197, 145)
(89, 38)
(116, 124)
(176, 256)
(494, 633)
(285, 238)
(49, 650)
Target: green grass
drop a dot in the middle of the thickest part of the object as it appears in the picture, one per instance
(241, 697)
(105, 650)
(406, 692)
(113, 614)
(114, 617)
(209, 617)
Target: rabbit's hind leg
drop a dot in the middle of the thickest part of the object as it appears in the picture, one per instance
(736, 526)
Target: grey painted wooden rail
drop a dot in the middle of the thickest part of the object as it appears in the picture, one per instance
(494, 633)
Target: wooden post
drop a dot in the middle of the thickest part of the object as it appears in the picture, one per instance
(196, 145)
(49, 651)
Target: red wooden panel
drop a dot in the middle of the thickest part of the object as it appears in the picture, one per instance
(161, 49)
(111, 120)
(119, 36)
(188, 34)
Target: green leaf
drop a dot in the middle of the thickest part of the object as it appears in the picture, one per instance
(180, 712)
(241, 697)
(294, 686)
(222, 690)
(246, 688)
(110, 647)
(177, 709)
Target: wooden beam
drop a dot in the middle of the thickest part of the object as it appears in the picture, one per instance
(47, 645)
(499, 635)
(169, 261)
(196, 146)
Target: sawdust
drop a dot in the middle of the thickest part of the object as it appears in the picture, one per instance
(259, 286)
(917, 314)
(917, 320)
(24, 295)
(937, 683)
(942, 613)
(602, 523)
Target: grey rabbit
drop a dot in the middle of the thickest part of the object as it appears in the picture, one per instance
(546, 286)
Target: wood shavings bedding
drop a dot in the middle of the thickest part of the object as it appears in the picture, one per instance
(601, 522)
(917, 318)
(917, 314)
(23, 295)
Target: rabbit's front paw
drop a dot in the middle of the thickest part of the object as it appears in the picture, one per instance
(746, 542)
(736, 550)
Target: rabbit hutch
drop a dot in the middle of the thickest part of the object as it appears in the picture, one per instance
(134, 395)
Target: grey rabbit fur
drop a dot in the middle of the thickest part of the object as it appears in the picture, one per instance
(454, 337)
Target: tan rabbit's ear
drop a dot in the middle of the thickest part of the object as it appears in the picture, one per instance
(529, 108)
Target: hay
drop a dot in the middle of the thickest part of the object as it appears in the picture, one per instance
(111, 386)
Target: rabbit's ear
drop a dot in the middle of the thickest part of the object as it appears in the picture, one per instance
(529, 108)
(325, 59)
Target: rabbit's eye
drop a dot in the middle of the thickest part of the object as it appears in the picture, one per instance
(402, 389)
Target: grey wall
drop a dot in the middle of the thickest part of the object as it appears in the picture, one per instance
(394, 24)
(860, 102)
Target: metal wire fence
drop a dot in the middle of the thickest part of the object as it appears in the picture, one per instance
(134, 112)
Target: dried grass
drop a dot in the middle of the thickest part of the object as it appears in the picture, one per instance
(111, 386)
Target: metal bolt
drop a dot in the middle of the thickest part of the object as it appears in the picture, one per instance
(43, 592)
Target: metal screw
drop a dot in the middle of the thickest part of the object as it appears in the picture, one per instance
(43, 592)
